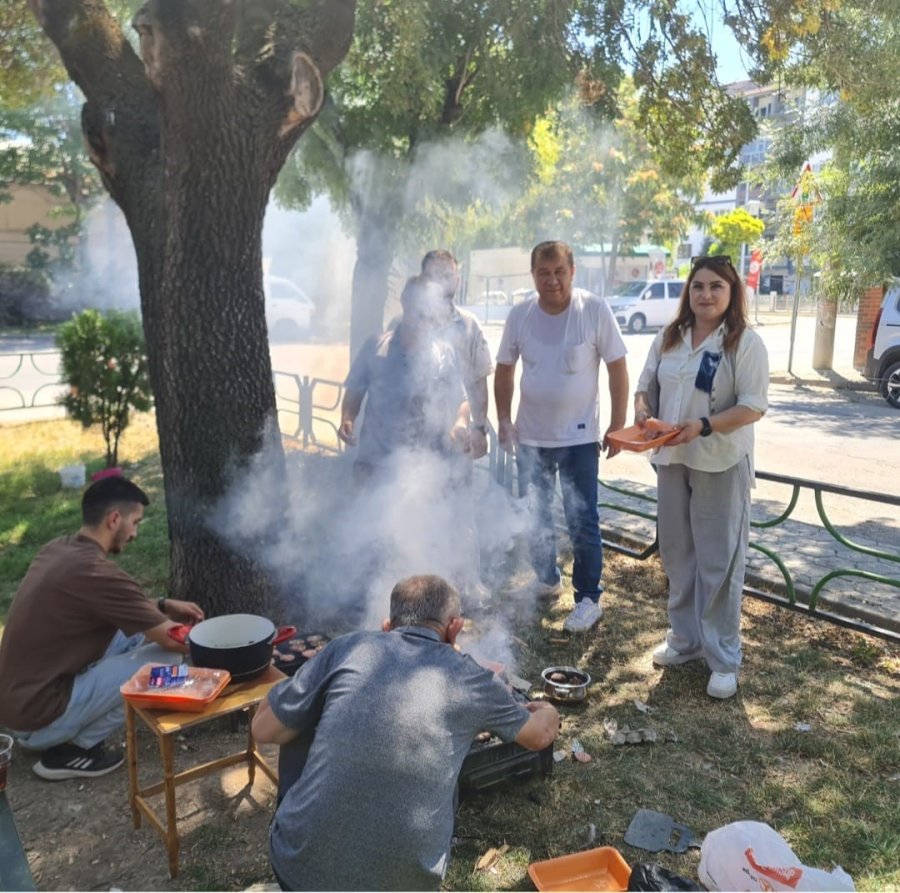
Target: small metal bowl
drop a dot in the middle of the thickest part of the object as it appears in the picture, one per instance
(566, 691)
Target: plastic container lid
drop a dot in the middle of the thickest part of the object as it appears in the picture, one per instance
(598, 869)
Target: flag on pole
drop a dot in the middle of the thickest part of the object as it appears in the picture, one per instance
(755, 268)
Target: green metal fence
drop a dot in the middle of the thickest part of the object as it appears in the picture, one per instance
(786, 593)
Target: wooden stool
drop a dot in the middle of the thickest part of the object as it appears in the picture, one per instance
(238, 696)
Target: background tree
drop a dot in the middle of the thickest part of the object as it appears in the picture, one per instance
(45, 147)
(423, 70)
(847, 55)
(29, 71)
(732, 230)
(603, 182)
(188, 140)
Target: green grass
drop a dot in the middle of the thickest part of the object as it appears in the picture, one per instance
(34, 508)
(832, 792)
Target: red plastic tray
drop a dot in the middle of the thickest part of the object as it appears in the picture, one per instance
(602, 868)
(638, 439)
(201, 689)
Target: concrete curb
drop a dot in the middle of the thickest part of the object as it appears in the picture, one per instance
(838, 383)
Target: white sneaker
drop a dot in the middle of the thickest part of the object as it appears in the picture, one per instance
(538, 590)
(722, 685)
(666, 656)
(583, 616)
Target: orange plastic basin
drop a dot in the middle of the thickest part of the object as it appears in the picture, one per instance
(638, 439)
(599, 869)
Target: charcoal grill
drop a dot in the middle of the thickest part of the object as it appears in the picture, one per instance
(287, 659)
(494, 763)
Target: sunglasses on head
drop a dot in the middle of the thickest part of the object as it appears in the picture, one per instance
(715, 259)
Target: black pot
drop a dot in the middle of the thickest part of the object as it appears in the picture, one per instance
(239, 643)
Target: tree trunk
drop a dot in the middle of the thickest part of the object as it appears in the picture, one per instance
(823, 343)
(189, 141)
(375, 243)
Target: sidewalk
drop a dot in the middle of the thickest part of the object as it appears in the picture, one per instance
(775, 329)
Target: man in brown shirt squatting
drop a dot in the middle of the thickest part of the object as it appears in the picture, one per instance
(77, 629)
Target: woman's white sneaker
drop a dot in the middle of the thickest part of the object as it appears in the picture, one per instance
(666, 656)
(722, 685)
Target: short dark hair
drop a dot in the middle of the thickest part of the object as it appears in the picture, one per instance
(106, 494)
(425, 598)
(543, 250)
(438, 255)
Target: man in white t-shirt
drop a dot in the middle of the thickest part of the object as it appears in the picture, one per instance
(562, 335)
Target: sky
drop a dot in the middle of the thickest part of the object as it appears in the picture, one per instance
(731, 61)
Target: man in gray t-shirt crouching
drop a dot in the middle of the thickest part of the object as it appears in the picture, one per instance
(373, 733)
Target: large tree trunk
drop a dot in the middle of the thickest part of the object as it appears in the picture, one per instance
(189, 144)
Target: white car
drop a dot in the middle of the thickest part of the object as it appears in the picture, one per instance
(490, 306)
(289, 310)
(883, 356)
(646, 305)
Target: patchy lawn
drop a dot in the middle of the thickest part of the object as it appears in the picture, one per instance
(833, 791)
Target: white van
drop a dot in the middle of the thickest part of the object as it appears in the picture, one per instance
(646, 305)
(883, 355)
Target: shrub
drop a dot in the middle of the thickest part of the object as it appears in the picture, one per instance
(104, 363)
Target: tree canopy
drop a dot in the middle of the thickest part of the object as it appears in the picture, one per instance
(424, 70)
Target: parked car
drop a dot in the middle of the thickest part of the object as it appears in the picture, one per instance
(523, 294)
(490, 306)
(289, 310)
(883, 355)
(646, 304)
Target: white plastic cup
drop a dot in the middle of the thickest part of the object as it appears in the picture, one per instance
(72, 476)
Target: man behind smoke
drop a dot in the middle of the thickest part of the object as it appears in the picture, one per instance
(461, 330)
(414, 446)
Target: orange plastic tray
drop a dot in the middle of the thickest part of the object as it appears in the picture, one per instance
(599, 869)
(201, 689)
(634, 438)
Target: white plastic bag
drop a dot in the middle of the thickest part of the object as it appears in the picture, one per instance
(752, 856)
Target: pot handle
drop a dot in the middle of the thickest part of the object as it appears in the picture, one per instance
(180, 633)
(283, 633)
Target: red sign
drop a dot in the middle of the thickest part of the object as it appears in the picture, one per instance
(755, 267)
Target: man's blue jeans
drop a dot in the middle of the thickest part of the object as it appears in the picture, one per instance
(577, 467)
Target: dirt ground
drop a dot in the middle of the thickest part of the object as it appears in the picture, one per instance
(78, 835)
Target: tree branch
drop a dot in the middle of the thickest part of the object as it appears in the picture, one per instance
(92, 47)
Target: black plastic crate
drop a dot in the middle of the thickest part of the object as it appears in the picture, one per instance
(494, 763)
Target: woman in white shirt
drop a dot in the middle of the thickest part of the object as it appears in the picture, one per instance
(709, 374)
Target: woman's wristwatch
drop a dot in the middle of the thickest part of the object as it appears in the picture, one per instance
(705, 427)
(161, 604)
